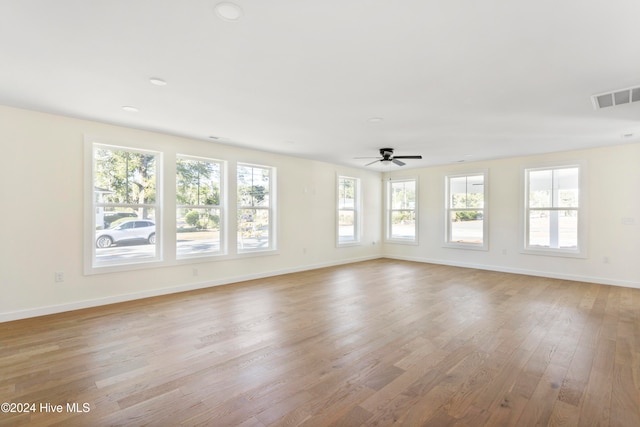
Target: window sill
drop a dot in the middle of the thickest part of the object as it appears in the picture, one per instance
(466, 246)
(254, 253)
(561, 253)
(402, 242)
(116, 268)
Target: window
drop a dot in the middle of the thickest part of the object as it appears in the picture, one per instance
(348, 210)
(199, 211)
(553, 214)
(466, 215)
(401, 210)
(125, 206)
(256, 201)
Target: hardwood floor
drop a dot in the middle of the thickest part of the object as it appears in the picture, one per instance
(373, 343)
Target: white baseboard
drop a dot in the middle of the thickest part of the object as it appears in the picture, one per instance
(78, 305)
(539, 273)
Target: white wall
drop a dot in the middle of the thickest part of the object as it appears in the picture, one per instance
(41, 188)
(613, 200)
(41, 220)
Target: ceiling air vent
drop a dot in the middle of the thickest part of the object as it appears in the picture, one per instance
(618, 97)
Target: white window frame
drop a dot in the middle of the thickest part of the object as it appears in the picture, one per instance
(485, 212)
(389, 211)
(221, 207)
(91, 266)
(272, 226)
(356, 209)
(581, 250)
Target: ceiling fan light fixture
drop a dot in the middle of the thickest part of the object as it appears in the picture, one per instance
(387, 157)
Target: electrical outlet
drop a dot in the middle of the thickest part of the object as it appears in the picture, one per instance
(195, 272)
(58, 277)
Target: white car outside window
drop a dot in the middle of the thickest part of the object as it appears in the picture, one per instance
(143, 230)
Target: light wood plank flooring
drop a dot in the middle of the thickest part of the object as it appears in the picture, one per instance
(374, 343)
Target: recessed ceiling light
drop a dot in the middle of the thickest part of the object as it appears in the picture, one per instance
(158, 82)
(230, 12)
(627, 135)
(130, 108)
(375, 120)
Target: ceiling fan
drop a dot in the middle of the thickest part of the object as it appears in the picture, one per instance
(387, 156)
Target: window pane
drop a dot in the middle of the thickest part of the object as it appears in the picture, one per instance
(127, 238)
(198, 231)
(458, 192)
(348, 207)
(403, 195)
(467, 227)
(475, 191)
(567, 183)
(124, 177)
(568, 229)
(555, 226)
(346, 193)
(540, 189)
(346, 226)
(197, 182)
(466, 192)
(403, 224)
(198, 196)
(124, 205)
(253, 186)
(254, 208)
(554, 188)
(253, 229)
(553, 229)
(539, 228)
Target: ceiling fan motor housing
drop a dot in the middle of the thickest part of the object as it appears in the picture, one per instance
(386, 153)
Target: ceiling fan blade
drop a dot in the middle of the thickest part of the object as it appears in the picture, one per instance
(398, 162)
(375, 161)
(366, 157)
(407, 157)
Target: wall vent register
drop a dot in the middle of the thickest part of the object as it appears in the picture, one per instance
(618, 97)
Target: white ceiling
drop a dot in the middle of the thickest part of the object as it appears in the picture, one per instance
(453, 79)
